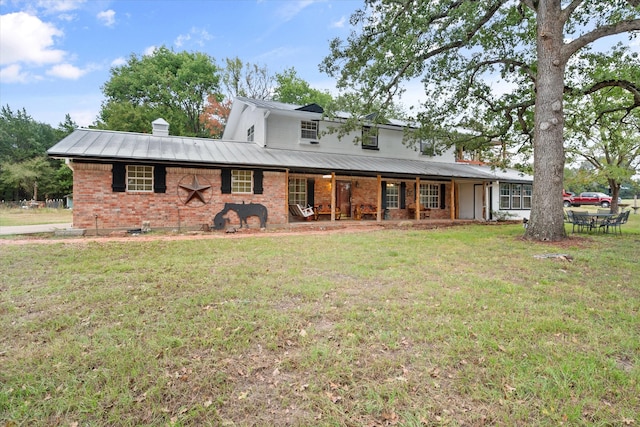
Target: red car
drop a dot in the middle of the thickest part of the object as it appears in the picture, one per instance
(588, 198)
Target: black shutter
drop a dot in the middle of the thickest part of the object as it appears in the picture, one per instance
(443, 196)
(384, 194)
(159, 179)
(258, 176)
(119, 178)
(310, 192)
(225, 177)
(403, 198)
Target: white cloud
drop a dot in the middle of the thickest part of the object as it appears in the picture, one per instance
(339, 24)
(290, 9)
(66, 71)
(107, 17)
(119, 61)
(198, 35)
(150, 50)
(182, 39)
(25, 38)
(55, 6)
(13, 74)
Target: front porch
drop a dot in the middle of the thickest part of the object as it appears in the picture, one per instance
(337, 198)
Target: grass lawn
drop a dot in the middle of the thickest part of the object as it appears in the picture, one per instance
(457, 326)
(12, 217)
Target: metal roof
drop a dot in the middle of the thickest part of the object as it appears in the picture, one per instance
(104, 145)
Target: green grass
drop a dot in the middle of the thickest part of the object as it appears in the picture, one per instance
(13, 217)
(458, 326)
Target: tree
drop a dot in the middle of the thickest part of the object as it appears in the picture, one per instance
(215, 115)
(22, 138)
(245, 79)
(487, 67)
(600, 128)
(164, 84)
(291, 89)
(23, 162)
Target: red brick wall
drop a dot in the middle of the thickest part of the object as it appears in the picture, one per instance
(94, 200)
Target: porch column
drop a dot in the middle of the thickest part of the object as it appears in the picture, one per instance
(484, 200)
(379, 209)
(453, 199)
(417, 200)
(333, 196)
(286, 193)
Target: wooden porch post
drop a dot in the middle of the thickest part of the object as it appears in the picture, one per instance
(333, 196)
(453, 199)
(379, 210)
(417, 200)
(286, 193)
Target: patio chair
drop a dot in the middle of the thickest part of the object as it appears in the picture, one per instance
(582, 221)
(297, 210)
(616, 221)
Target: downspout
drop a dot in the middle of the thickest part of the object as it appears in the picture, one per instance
(265, 127)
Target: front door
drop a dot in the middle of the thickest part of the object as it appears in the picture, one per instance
(343, 197)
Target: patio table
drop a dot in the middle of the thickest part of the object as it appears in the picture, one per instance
(596, 220)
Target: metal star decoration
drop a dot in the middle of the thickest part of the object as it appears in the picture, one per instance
(195, 189)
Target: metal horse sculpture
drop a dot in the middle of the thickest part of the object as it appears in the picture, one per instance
(244, 211)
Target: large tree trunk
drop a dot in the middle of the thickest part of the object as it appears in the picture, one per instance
(547, 220)
(615, 193)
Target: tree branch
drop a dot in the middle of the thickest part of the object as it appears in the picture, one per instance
(600, 32)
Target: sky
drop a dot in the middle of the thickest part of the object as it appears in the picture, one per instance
(55, 55)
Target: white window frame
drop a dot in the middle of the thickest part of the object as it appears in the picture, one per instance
(251, 133)
(393, 195)
(308, 129)
(515, 196)
(139, 179)
(430, 195)
(298, 191)
(241, 181)
(369, 138)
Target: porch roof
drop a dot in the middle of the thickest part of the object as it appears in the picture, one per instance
(104, 145)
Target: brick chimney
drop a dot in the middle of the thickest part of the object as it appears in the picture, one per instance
(160, 127)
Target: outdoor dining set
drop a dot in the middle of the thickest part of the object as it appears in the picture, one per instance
(601, 221)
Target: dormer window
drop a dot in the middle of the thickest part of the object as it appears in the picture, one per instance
(308, 130)
(428, 147)
(250, 133)
(369, 138)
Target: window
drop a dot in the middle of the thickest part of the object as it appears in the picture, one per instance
(393, 196)
(250, 133)
(430, 196)
(140, 178)
(298, 191)
(308, 130)
(515, 196)
(428, 148)
(240, 181)
(369, 138)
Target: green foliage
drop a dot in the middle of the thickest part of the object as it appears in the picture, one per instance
(23, 162)
(291, 89)
(165, 84)
(477, 60)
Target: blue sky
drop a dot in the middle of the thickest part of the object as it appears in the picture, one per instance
(56, 54)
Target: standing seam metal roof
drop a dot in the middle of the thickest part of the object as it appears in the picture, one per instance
(101, 145)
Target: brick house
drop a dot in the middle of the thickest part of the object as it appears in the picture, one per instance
(275, 155)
